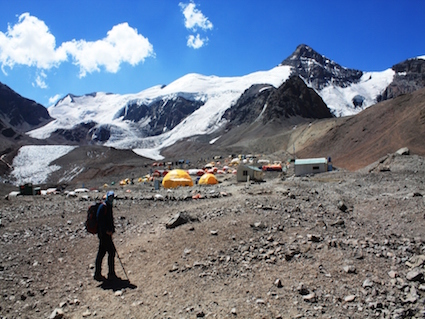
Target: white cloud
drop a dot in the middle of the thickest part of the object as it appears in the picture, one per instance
(30, 43)
(194, 18)
(122, 44)
(40, 80)
(54, 99)
(196, 42)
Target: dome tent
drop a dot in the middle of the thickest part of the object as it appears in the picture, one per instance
(176, 178)
(208, 179)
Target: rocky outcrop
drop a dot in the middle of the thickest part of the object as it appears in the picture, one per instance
(319, 71)
(20, 113)
(250, 105)
(266, 103)
(409, 77)
(294, 98)
(163, 114)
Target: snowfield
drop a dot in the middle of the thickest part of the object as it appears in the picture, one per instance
(32, 164)
(217, 93)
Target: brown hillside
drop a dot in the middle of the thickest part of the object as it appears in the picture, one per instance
(357, 141)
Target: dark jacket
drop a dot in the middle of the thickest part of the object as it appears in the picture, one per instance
(105, 219)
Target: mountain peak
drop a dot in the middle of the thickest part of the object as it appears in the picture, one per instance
(318, 70)
(304, 51)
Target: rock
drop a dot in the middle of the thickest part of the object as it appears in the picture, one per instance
(311, 297)
(338, 222)
(415, 275)
(416, 261)
(158, 197)
(278, 283)
(86, 313)
(349, 269)
(367, 283)
(200, 314)
(349, 298)
(342, 207)
(258, 225)
(233, 311)
(403, 151)
(118, 293)
(57, 314)
(177, 220)
(412, 296)
(392, 274)
(314, 238)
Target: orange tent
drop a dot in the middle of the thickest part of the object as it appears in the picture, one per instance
(176, 178)
(208, 179)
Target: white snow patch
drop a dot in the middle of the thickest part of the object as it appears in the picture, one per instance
(422, 57)
(152, 153)
(32, 164)
(371, 84)
(214, 140)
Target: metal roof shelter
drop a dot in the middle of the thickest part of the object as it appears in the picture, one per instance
(310, 166)
(251, 173)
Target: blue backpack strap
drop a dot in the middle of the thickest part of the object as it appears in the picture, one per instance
(101, 206)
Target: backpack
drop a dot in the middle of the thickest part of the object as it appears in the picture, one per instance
(91, 222)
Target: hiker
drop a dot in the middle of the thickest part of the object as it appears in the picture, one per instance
(106, 228)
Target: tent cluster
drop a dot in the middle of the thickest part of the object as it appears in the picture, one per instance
(179, 177)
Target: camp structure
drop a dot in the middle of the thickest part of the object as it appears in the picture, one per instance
(251, 173)
(176, 178)
(310, 166)
(208, 179)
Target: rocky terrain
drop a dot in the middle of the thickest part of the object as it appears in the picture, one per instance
(334, 245)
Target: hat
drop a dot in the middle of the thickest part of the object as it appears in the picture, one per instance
(110, 193)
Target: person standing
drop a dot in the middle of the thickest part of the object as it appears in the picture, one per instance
(106, 228)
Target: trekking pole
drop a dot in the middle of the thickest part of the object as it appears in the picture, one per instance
(121, 263)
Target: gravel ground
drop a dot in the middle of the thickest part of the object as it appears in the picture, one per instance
(333, 245)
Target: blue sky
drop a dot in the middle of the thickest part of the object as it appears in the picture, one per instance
(51, 48)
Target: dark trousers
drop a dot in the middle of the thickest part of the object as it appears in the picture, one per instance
(106, 245)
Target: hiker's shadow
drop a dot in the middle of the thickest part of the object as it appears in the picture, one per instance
(116, 285)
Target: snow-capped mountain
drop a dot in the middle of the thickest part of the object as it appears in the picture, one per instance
(196, 114)
(195, 104)
(116, 126)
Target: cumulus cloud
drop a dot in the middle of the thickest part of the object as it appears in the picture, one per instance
(40, 80)
(196, 42)
(122, 44)
(194, 19)
(30, 43)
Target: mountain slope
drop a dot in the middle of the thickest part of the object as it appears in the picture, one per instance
(409, 77)
(20, 113)
(357, 141)
(345, 91)
(156, 118)
(17, 116)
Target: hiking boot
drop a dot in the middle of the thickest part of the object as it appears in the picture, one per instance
(113, 277)
(99, 277)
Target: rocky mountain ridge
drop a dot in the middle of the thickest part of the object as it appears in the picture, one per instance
(263, 117)
(319, 71)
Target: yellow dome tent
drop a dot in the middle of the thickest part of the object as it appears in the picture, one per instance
(208, 179)
(176, 178)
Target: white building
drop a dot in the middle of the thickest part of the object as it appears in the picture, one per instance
(310, 166)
